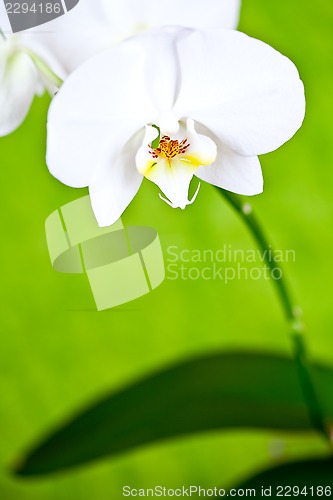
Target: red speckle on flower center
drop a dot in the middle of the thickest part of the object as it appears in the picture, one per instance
(169, 148)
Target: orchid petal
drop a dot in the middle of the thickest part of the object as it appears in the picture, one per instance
(99, 107)
(69, 40)
(133, 16)
(162, 70)
(203, 147)
(235, 173)
(247, 93)
(232, 171)
(19, 81)
(111, 195)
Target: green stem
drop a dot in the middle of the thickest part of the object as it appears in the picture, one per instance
(40, 64)
(291, 311)
(44, 68)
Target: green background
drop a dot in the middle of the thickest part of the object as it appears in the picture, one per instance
(57, 352)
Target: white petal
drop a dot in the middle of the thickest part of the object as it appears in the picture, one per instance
(69, 40)
(231, 171)
(99, 107)
(235, 173)
(113, 193)
(162, 72)
(203, 148)
(247, 93)
(132, 16)
(18, 85)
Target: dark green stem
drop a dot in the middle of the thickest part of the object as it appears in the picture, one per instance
(292, 312)
(2, 34)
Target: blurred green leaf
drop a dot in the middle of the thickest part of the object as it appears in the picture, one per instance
(303, 475)
(213, 392)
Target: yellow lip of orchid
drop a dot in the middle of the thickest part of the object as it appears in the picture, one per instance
(173, 163)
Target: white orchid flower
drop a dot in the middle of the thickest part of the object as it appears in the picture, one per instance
(218, 97)
(38, 59)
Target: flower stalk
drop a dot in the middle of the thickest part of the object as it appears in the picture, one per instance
(292, 312)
